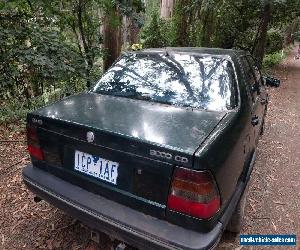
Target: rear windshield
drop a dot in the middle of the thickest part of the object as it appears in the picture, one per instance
(204, 82)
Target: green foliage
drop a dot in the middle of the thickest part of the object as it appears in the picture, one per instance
(274, 42)
(152, 7)
(15, 110)
(297, 36)
(37, 57)
(54, 48)
(270, 60)
(225, 24)
(237, 24)
(79, 22)
(284, 12)
(151, 36)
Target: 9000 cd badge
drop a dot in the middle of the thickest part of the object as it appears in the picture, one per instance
(168, 156)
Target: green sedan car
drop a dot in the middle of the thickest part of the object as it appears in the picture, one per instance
(159, 152)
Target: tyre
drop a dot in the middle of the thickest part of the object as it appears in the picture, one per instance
(236, 222)
(262, 129)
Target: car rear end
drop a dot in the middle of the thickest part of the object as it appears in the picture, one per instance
(91, 160)
(62, 150)
(137, 194)
(121, 169)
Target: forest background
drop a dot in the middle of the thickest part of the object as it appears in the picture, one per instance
(51, 49)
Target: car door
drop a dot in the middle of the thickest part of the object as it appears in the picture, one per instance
(253, 92)
(262, 93)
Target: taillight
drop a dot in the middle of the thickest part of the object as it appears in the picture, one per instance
(194, 193)
(34, 144)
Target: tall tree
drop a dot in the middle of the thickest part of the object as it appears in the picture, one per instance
(259, 47)
(166, 9)
(112, 41)
(113, 27)
(208, 18)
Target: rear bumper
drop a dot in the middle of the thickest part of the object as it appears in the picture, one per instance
(121, 222)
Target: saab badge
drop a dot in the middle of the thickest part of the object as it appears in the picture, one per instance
(90, 137)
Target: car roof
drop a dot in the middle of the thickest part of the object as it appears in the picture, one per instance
(197, 50)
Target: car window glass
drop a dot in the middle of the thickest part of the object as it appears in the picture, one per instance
(204, 82)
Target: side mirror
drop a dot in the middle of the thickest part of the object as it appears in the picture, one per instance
(255, 88)
(271, 81)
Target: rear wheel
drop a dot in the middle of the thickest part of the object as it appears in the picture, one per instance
(236, 222)
(262, 129)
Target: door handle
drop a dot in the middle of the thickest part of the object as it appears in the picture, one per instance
(254, 120)
(263, 101)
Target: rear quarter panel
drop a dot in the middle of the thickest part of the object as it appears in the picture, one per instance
(228, 150)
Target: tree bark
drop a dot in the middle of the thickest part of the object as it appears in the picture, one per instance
(112, 41)
(166, 9)
(130, 31)
(260, 46)
(89, 58)
(208, 27)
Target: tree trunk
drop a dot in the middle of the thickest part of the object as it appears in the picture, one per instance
(166, 9)
(88, 55)
(130, 31)
(207, 27)
(112, 41)
(260, 46)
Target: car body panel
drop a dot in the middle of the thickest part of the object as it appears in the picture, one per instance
(63, 129)
(182, 129)
(126, 131)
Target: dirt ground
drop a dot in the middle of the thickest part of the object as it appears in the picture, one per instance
(273, 204)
